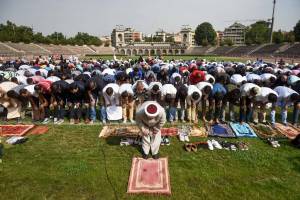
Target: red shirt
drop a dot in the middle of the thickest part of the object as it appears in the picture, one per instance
(197, 76)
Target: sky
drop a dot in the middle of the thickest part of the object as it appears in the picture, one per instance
(99, 17)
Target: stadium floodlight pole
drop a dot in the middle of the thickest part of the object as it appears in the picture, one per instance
(272, 22)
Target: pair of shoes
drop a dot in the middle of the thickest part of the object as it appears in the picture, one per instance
(183, 137)
(126, 142)
(124, 121)
(60, 121)
(273, 142)
(45, 121)
(213, 144)
(77, 121)
(138, 141)
(165, 141)
(72, 121)
(132, 121)
(55, 120)
(156, 156)
(104, 121)
(242, 146)
(229, 146)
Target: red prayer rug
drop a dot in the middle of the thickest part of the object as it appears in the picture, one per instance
(149, 176)
(14, 130)
(288, 131)
(169, 131)
(38, 130)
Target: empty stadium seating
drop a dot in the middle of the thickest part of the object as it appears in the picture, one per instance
(267, 50)
(6, 51)
(103, 50)
(28, 49)
(292, 52)
(242, 50)
(221, 50)
(197, 50)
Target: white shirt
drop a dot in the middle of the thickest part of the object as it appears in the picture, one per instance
(267, 76)
(202, 85)
(155, 83)
(114, 98)
(191, 90)
(237, 79)
(126, 87)
(109, 71)
(22, 79)
(168, 89)
(245, 89)
(252, 77)
(209, 76)
(53, 78)
(284, 92)
(263, 96)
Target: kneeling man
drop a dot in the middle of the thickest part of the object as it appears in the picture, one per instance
(150, 118)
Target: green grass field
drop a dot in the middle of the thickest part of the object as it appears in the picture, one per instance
(71, 162)
(171, 57)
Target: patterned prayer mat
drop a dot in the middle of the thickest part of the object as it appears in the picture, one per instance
(38, 130)
(149, 176)
(198, 132)
(131, 130)
(266, 131)
(289, 131)
(169, 131)
(242, 130)
(221, 130)
(119, 131)
(14, 130)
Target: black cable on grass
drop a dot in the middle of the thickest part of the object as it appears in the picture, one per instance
(107, 176)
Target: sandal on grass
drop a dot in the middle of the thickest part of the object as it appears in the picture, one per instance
(188, 147)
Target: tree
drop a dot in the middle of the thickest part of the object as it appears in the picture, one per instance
(297, 31)
(289, 37)
(205, 33)
(228, 42)
(278, 37)
(258, 33)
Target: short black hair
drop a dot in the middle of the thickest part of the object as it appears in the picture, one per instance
(195, 96)
(294, 97)
(272, 98)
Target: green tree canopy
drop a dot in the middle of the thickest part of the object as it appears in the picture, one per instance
(258, 33)
(205, 34)
(12, 32)
(278, 37)
(297, 31)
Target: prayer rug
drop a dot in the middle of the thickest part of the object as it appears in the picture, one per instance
(119, 131)
(169, 131)
(198, 132)
(266, 131)
(38, 130)
(149, 176)
(221, 130)
(242, 130)
(14, 130)
(288, 131)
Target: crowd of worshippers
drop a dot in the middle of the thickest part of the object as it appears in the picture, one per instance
(189, 90)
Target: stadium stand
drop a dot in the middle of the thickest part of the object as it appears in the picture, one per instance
(242, 50)
(57, 49)
(80, 50)
(197, 50)
(223, 50)
(292, 52)
(267, 50)
(28, 49)
(102, 50)
(6, 51)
